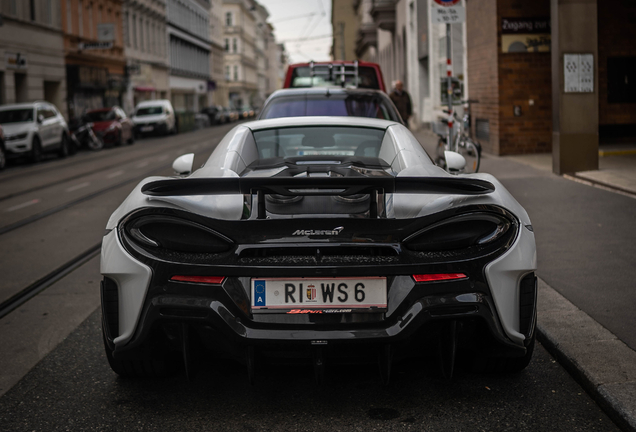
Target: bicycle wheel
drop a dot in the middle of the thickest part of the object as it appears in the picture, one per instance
(469, 150)
(440, 159)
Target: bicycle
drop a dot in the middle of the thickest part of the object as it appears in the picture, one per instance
(462, 143)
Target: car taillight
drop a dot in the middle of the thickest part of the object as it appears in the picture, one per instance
(459, 232)
(214, 280)
(176, 234)
(438, 277)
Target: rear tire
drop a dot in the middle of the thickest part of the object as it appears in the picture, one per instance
(503, 365)
(64, 147)
(3, 158)
(36, 150)
(150, 360)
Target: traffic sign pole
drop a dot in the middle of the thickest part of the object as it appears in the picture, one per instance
(449, 85)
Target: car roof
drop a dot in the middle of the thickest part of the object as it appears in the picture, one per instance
(153, 102)
(318, 121)
(22, 105)
(324, 90)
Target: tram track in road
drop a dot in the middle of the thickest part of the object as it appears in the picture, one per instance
(51, 278)
(53, 210)
(99, 157)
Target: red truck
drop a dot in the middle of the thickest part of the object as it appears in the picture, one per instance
(357, 74)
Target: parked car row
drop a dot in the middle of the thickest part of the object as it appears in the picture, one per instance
(222, 115)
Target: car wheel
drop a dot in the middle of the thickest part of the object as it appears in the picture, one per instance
(64, 150)
(118, 140)
(3, 158)
(150, 360)
(131, 140)
(36, 150)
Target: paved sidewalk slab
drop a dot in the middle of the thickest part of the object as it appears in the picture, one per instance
(603, 364)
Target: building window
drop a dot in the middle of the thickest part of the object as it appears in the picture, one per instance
(126, 29)
(621, 77)
(80, 30)
(227, 45)
(89, 12)
(227, 73)
(134, 31)
(32, 9)
(228, 19)
(48, 12)
(69, 22)
(234, 45)
(141, 35)
(236, 75)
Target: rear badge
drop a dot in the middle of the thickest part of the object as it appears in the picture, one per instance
(333, 232)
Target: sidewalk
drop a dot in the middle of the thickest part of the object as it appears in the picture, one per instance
(617, 167)
(603, 364)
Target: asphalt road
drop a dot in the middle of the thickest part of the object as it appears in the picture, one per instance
(55, 375)
(74, 389)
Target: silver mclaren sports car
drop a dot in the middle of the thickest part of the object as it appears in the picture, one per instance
(318, 239)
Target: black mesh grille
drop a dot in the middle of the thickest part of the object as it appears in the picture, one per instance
(110, 307)
(527, 301)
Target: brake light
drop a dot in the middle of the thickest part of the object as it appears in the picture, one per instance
(438, 277)
(216, 280)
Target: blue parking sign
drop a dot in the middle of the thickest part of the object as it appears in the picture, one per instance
(259, 293)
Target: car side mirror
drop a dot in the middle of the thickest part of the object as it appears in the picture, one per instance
(183, 164)
(454, 161)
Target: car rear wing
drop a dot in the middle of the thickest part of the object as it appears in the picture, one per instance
(343, 186)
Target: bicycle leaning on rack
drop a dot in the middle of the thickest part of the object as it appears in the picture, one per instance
(462, 143)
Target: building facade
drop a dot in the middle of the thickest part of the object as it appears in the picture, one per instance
(188, 33)
(146, 51)
(345, 29)
(239, 42)
(217, 51)
(400, 36)
(94, 54)
(32, 53)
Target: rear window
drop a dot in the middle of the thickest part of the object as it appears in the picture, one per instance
(151, 110)
(318, 141)
(333, 105)
(16, 116)
(325, 76)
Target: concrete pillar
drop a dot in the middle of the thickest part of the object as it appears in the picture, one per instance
(575, 116)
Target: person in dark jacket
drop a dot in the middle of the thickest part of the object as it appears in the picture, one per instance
(402, 101)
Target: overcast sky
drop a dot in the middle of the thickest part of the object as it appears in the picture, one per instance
(300, 25)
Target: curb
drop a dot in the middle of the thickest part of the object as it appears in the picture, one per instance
(600, 362)
(603, 185)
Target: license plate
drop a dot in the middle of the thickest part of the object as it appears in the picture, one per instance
(146, 128)
(318, 295)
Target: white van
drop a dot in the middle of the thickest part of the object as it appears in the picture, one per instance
(154, 117)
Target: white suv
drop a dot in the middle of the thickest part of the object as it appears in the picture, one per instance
(32, 129)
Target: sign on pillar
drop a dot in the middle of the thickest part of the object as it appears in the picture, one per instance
(448, 12)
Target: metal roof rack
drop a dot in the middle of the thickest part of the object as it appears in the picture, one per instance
(332, 71)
